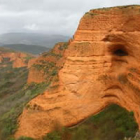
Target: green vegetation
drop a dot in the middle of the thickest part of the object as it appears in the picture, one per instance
(17, 101)
(45, 66)
(50, 67)
(90, 15)
(25, 138)
(118, 7)
(14, 95)
(27, 58)
(51, 53)
(64, 46)
(114, 123)
(21, 138)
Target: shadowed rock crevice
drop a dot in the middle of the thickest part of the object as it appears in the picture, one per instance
(120, 52)
(110, 96)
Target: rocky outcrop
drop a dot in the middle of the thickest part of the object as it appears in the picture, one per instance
(101, 67)
(19, 59)
(47, 65)
(1, 59)
(31, 62)
(19, 62)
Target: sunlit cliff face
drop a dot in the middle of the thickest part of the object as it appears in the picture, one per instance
(111, 76)
(102, 67)
(122, 79)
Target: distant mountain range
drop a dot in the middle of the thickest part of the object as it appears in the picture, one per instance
(39, 39)
(34, 43)
(33, 49)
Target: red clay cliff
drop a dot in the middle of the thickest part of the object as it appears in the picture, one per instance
(41, 67)
(101, 67)
(19, 59)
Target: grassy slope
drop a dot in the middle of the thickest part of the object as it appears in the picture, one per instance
(14, 95)
(114, 123)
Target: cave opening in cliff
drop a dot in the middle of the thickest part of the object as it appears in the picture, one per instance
(116, 45)
(118, 50)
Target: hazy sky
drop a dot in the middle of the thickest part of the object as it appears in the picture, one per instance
(49, 16)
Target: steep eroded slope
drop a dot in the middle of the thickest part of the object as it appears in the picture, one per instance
(101, 67)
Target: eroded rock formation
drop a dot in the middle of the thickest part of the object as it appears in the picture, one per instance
(19, 59)
(46, 65)
(102, 66)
